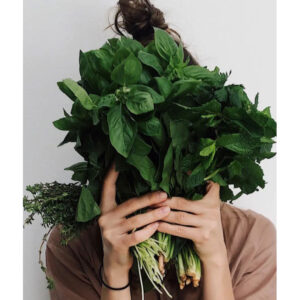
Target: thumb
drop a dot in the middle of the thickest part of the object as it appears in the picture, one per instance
(108, 194)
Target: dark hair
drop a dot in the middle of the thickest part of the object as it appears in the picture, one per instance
(138, 17)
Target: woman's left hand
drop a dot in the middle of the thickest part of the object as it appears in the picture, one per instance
(199, 221)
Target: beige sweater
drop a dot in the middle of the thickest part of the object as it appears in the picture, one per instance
(250, 239)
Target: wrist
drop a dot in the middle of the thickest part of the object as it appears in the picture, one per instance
(115, 276)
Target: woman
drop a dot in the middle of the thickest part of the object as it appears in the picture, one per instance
(236, 247)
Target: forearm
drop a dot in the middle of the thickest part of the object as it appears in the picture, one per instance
(115, 278)
(217, 280)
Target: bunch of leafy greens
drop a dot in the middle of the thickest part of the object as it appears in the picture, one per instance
(168, 125)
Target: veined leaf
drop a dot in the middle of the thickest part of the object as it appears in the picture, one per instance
(164, 86)
(151, 61)
(165, 44)
(122, 130)
(140, 103)
(87, 208)
(80, 93)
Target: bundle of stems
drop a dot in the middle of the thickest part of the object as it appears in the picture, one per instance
(147, 254)
(188, 267)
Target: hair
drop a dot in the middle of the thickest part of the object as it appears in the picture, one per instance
(138, 18)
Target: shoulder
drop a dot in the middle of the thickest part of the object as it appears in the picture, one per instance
(246, 231)
(247, 220)
(85, 247)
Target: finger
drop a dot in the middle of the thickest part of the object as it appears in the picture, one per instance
(213, 194)
(183, 204)
(141, 235)
(183, 218)
(134, 204)
(146, 218)
(108, 195)
(178, 230)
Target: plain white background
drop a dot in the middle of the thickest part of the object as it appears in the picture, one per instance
(235, 35)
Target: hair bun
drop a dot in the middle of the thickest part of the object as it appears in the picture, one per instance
(138, 17)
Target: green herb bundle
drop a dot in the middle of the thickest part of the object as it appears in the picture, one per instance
(168, 125)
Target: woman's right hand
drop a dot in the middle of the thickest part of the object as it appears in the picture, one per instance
(116, 229)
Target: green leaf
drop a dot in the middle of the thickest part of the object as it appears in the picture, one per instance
(87, 208)
(80, 93)
(157, 98)
(207, 150)
(179, 132)
(165, 44)
(150, 127)
(237, 142)
(151, 61)
(131, 44)
(105, 101)
(69, 123)
(164, 86)
(167, 170)
(140, 103)
(122, 130)
(128, 72)
(80, 172)
(196, 177)
(64, 88)
(140, 147)
(186, 86)
(145, 166)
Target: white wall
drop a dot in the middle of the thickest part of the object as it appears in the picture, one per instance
(235, 35)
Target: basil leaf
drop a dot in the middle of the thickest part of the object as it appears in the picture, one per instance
(122, 130)
(79, 93)
(165, 44)
(140, 103)
(164, 86)
(167, 170)
(128, 72)
(151, 61)
(87, 208)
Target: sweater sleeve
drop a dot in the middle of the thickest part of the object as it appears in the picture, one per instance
(65, 267)
(259, 278)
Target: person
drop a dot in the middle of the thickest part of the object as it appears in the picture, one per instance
(237, 248)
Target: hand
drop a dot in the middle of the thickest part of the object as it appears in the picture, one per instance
(204, 220)
(116, 229)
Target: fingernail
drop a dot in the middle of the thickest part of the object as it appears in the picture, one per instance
(163, 195)
(164, 209)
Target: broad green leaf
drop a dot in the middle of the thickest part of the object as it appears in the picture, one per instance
(66, 90)
(237, 142)
(128, 72)
(151, 61)
(157, 98)
(104, 101)
(87, 208)
(131, 44)
(179, 132)
(140, 103)
(150, 127)
(167, 170)
(185, 86)
(69, 123)
(121, 55)
(140, 147)
(207, 150)
(165, 44)
(80, 93)
(145, 166)
(122, 130)
(196, 177)
(164, 86)
(80, 172)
